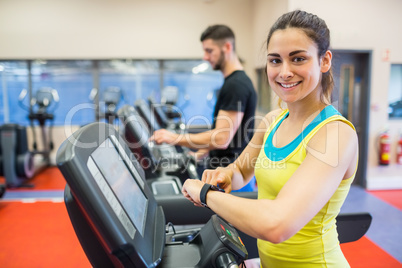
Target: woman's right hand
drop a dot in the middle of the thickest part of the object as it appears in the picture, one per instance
(221, 177)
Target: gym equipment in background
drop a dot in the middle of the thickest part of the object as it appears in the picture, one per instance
(41, 109)
(145, 112)
(161, 116)
(3, 185)
(156, 160)
(169, 98)
(116, 217)
(17, 161)
(170, 116)
(111, 98)
(2, 189)
(166, 112)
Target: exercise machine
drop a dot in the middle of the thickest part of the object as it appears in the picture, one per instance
(169, 98)
(110, 98)
(3, 185)
(161, 116)
(145, 112)
(164, 114)
(156, 160)
(167, 115)
(116, 217)
(2, 189)
(17, 161)
(41, 109)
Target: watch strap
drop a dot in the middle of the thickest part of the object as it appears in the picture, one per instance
(203, 194)
(204, 191)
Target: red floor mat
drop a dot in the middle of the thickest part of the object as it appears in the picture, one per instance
(392, 197)
(366, 254)
(49, 179)
(38, 235)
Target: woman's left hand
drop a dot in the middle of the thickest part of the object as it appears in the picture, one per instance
(191, 190)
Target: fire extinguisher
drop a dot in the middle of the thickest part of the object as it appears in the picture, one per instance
(385, 148)
(399, 151)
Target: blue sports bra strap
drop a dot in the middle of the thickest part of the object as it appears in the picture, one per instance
(283, 152)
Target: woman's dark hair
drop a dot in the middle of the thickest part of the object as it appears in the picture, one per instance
(316, 29)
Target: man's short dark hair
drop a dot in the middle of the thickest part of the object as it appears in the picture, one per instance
(218, 33)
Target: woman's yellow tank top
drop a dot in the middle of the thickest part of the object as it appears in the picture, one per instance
(316, 244)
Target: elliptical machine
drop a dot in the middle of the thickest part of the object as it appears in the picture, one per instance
(111, 98)
(18, 163)
(41, 111)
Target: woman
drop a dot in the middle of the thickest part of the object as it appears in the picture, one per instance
(304, 157)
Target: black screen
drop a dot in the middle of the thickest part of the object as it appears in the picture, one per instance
(123, 184)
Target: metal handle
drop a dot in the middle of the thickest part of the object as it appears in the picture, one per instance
(226, 260)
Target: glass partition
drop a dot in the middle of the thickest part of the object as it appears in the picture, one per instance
(73, 81)
(14, 78)
(198, 86)
(136, 79)
(76, 81)
(395, 92)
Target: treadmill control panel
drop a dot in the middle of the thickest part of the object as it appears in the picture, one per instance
(229, 237)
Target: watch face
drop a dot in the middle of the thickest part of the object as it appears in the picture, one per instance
(216, 188)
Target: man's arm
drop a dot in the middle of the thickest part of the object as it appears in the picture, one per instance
(227, 123)
(199, 154)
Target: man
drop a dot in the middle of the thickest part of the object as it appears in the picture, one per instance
(234, 112)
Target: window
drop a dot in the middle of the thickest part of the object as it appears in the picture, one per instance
(136, 79)
(198, 87)
(395, 92)
(75, 80)
(14, 78)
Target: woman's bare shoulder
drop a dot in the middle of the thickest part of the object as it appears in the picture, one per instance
(335, 143)
(271, 116)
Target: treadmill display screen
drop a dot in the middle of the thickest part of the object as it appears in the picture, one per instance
(119, 187)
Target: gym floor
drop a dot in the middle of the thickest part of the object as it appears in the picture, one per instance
(36, 231)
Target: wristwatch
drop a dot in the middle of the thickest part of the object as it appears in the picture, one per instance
(204, 191)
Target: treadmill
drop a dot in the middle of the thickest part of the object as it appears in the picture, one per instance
(156, 160)
(152, 113)
(116, 217)
(166, 116)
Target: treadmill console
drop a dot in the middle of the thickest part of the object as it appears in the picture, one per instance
(229, 237)
(116, 217)
(113, 198)
(114, 178)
